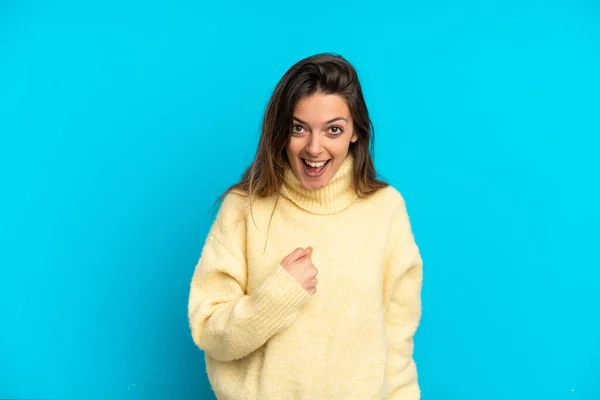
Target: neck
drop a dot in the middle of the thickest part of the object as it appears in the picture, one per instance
(334, 197)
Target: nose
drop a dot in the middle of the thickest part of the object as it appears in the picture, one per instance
(313, 147)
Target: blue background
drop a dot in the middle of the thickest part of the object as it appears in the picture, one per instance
(121, 122)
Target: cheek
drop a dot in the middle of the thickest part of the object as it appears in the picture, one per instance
(341, 147)
(294, 147)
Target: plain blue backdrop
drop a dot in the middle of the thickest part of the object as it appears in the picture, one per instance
(122, 121)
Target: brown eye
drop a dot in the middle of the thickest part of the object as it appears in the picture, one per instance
(336, 130)
(297, 128)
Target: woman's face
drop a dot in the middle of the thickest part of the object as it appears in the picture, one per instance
(322, 131)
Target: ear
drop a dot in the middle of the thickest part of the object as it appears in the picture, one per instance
(354, 138)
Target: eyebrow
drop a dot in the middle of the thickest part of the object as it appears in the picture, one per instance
(327, 122)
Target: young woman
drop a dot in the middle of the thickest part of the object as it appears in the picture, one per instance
(309, 282)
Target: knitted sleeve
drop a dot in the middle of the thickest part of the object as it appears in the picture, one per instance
(226, 322)
(402, 297)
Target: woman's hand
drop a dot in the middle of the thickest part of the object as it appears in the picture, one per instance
(299, 265)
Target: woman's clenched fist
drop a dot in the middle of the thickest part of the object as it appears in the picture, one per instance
(299, 265)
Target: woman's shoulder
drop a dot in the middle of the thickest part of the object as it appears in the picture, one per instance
(388, 197)
(236, 205)
(232, 200)
(392, 209)
(239, 200)
(229, 210)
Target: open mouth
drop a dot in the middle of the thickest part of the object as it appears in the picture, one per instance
(315, 169)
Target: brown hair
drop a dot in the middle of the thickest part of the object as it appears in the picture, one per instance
(324, 73)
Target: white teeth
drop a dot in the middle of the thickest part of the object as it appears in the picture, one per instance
(315, 164)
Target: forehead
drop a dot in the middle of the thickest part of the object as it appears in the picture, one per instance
(321, 107)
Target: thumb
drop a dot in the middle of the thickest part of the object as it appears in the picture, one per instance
(305, 253)
(308, 251)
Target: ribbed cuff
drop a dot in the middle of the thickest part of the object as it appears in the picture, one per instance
(275, 302)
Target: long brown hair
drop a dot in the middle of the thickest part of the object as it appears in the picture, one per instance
(324, 73)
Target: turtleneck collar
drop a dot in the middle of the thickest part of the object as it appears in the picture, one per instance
(336, 196)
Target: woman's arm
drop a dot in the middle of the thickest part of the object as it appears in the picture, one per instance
(402, 294)
(226, 323)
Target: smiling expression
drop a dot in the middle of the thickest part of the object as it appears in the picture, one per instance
(322, 131)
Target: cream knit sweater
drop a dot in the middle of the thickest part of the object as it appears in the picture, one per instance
(265, 338)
